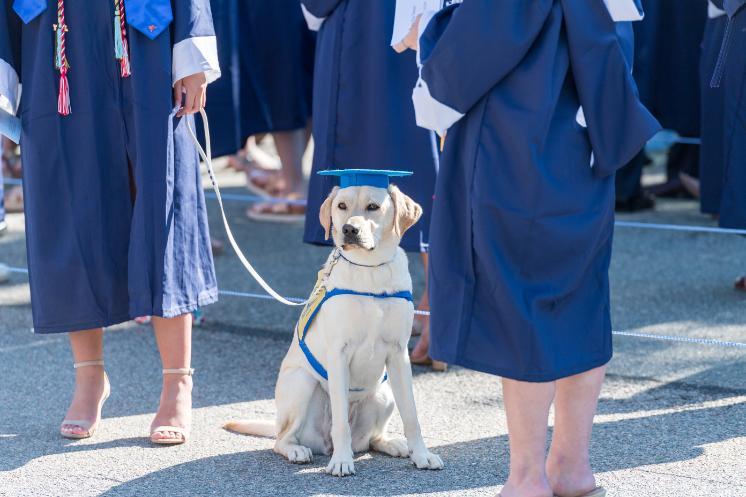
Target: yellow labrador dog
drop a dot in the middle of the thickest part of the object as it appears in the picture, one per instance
(349, 360)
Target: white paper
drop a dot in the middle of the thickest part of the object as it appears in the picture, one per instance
(407, 12)
(10, 126)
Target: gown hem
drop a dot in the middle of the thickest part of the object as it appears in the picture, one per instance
(210, 298)
(542, 377)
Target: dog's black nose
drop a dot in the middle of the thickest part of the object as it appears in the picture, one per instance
(350, 230)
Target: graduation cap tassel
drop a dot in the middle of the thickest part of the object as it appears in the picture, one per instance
(121, 46)
(63, 100)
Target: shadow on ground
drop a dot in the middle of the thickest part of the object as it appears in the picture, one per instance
(469, 465)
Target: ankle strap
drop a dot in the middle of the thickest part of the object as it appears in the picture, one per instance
(186, 371)
(85, 364)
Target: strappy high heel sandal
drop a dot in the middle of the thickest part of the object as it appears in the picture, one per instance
(184, 432)
(89, 428)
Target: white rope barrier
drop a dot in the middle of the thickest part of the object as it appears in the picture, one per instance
(649, 336)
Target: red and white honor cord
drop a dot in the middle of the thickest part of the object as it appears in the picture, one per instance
(121, 51)
(63, 100)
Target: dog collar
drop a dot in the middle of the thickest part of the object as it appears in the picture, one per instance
(340, 255)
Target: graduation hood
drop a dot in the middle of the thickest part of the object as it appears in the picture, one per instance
(150, 17)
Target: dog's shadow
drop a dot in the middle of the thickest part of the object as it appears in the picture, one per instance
(263, 473)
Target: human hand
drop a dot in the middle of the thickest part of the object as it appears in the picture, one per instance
(412, 40)
(194, 91)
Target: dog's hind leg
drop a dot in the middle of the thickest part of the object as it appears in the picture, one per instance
(382, 406)
(295, 389)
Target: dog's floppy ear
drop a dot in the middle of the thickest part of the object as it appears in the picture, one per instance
(406, 213)
(325, 213)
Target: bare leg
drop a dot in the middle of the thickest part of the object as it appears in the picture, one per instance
(527, 409)
(89, 381)
(174, 337)
(568, 465)
(290, 147)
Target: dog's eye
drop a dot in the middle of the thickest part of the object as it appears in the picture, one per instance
(373, 207)
(342, 206)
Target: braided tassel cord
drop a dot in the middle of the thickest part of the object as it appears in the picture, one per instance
(63, 99)
(121, 47)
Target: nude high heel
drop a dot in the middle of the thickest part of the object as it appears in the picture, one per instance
(88, 427)
(184, 432)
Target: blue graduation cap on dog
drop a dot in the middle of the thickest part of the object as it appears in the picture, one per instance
(376, 178)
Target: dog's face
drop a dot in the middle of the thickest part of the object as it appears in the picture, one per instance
(362, 217)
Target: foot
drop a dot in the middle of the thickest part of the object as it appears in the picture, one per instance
(391, 446)
(740, 284)
(568, 479)
(175, 408)
(341, 465)
(90, 387)
(266, 183)
(420, 354)
(298, 454)
(690, 184)
(293, 210)
(426, 460)
(526, 488)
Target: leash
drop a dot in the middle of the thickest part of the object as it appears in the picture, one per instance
(207, 158)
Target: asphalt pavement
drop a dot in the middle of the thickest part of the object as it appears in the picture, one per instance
(672, 416)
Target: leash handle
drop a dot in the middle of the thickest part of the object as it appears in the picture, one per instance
(207, 158)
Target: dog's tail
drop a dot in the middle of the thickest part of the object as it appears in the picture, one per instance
(251, 427)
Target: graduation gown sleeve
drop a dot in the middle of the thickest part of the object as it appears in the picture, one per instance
(468, 49)
(195, 45)
(10, 37)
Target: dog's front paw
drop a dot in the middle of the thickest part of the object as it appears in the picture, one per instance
(299, 455)
(341, 466)
(426, 460)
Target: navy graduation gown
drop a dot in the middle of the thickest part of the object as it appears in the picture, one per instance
(256, 94)
(99, 253)
(276, 54)
(222, 96)
(712, 149)
(733, 203)
(667, 61)
(522, 224)
(363, 115)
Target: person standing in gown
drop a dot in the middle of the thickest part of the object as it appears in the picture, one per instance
(116, 225)
(539, 109)
(712, 149)
(729, 77)
(363, 116)
(271, 53)
(667, 72)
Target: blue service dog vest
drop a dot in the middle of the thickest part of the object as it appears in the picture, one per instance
(319, 296)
